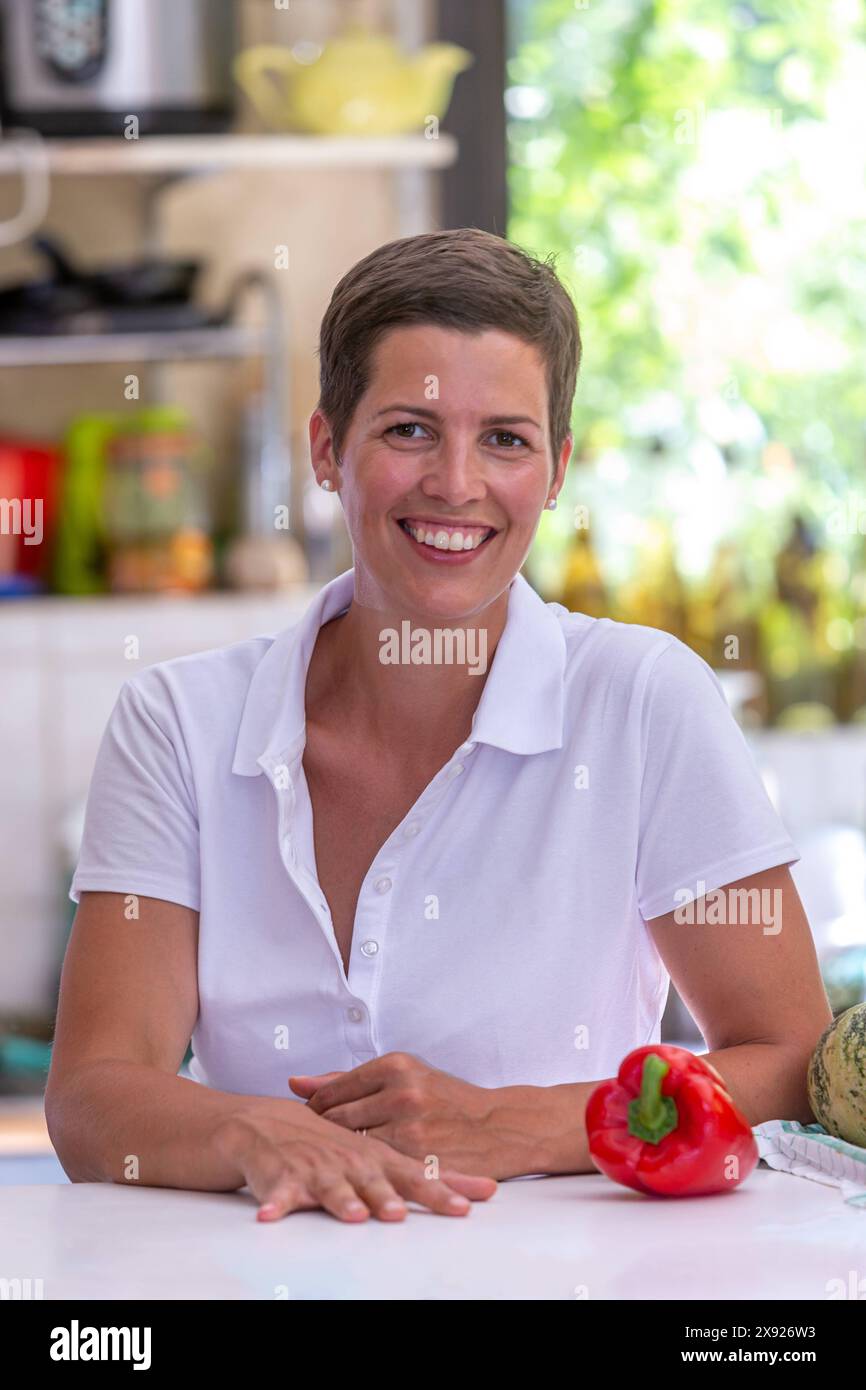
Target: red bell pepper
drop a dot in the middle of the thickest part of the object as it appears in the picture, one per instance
(667, 1125)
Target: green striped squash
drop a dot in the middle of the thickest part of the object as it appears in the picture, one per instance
(837, 1077)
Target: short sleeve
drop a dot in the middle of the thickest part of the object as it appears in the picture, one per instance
(140, 824)
(705, 816)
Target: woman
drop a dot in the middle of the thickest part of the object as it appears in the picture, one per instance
(409, 874)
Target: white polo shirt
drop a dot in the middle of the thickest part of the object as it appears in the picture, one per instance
(500, 931)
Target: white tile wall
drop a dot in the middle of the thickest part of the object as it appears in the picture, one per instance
(818, 778)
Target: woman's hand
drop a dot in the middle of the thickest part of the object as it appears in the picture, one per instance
(428, 1114)
(300, 1163)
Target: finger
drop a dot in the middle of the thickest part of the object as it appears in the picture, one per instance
(307, 1085)
(433, 1193)
(282, 1196)
(349, 1085)
(265, 1173)
(278, 1188)
(381, 1197)
(477, 1189)
(336, 1194)
(368, 1113)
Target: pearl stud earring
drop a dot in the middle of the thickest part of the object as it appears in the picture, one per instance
(551, 504)
(327, 485)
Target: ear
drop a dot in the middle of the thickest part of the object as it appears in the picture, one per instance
(564, 456)
(323, 455)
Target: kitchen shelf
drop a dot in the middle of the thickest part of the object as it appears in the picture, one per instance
(83, 607)
(229, 341)
(165, 154)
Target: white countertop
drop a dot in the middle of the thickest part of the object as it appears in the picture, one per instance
(776, 1237)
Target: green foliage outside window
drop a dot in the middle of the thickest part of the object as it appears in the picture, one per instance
(700, 173)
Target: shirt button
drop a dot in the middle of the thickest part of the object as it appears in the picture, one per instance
(382, 885)
(355, 1015)
(369, 948)
(412, 829)
(456, 770)
(467, 749)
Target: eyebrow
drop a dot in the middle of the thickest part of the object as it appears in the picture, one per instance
(433, 415)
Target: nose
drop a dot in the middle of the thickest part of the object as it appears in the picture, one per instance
(454, 473)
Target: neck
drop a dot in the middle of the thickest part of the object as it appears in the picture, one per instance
(367, 676)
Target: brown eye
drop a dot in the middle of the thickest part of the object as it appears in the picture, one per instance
(405, 425)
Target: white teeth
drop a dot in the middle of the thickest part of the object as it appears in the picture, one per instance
(446, 540)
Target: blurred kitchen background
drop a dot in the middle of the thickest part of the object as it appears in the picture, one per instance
(182, 183)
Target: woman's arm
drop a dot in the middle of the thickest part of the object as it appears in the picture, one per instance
(754, 988)
(128, 1006)
(118, 1112)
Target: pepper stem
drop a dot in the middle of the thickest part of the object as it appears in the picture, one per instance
(651, 1115)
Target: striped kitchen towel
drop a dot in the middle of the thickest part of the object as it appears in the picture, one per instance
(808, 1151)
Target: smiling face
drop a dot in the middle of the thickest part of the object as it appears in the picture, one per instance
(442, 497)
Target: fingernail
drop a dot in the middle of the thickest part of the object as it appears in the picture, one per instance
(354, 1206)
(393, 1205)
(267, 1210)
(458, 1203)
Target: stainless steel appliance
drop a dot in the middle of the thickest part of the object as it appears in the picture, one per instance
(84, 67)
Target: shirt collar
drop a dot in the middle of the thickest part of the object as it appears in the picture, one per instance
(520, 709)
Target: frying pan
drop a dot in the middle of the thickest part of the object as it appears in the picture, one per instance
(151, 280)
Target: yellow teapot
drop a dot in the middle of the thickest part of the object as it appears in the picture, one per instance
(361, 84)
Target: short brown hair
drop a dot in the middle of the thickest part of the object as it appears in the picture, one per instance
(463, 278)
